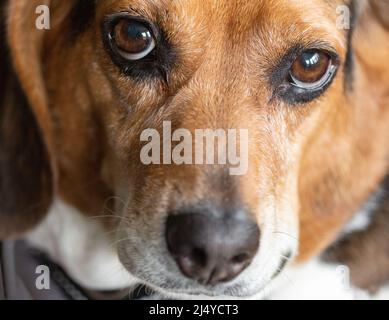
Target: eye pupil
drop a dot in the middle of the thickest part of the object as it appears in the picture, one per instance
(133, 38)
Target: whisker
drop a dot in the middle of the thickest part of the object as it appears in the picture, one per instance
(286, 234)
(116, 242)
(108, 217)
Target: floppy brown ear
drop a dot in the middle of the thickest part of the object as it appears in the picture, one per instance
(26, 149)
(25, 172)
(380, 8)
(371, 41)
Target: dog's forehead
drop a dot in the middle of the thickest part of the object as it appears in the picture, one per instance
(253, 11)
(313, 19)
(235, 6)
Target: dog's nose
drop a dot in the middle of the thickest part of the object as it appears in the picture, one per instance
(212, 247)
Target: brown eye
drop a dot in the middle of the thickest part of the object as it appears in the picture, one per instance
(312, 70)
(133, 39)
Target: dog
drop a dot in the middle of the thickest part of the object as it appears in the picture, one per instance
(313, 97)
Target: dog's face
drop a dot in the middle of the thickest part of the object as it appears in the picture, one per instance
(283, 71)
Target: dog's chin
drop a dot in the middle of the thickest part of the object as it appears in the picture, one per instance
(238, 292)
(164, 294)
(185, 289)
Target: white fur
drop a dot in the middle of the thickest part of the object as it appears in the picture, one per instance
(313, 281)
(82, 247)
(317, 280)
(382, 294)
(362, 219)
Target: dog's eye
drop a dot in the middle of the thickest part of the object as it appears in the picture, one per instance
(302, 75)
(133, 39)
(312, 70)
(137, 46)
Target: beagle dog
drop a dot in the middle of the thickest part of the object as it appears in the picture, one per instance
(312, 93)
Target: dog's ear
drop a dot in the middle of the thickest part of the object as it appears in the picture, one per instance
(380, 9)
(371, 14)
(27, 170)
(370, 35)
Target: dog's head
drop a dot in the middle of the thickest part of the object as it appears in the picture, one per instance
(120, 88)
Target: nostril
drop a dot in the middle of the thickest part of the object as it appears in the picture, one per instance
(192, 263)
(241, 258)
(199, 257)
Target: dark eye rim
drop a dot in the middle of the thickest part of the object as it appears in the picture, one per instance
(156, 65)
(280, 79)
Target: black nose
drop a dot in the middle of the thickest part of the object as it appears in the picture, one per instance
(212, 247)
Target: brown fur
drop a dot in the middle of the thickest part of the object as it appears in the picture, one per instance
(80, 101)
